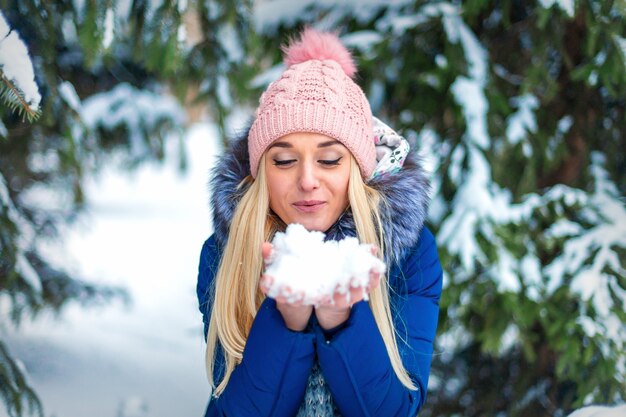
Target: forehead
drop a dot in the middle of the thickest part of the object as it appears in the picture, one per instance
(302, 140)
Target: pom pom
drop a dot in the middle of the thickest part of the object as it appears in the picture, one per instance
(318, 45)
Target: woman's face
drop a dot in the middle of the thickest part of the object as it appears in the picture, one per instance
(307, 176)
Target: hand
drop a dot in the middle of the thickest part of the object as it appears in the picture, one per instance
(334, 310)
(295, 314)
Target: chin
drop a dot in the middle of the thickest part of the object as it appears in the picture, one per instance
(312, 224)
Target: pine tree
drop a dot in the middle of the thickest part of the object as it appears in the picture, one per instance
(109, 74)
(519, 109)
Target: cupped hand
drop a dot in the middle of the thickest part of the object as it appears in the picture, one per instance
(295, 314)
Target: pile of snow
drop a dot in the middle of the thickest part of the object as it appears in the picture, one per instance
(600, 411)
(302, 262)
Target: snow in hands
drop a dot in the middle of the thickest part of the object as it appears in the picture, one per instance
(304, 268)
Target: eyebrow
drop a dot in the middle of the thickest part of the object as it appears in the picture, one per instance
(282, 144)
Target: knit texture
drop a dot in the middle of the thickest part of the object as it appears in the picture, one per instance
(315, 94)
(317, 401)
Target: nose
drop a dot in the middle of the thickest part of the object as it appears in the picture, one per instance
(308, 178)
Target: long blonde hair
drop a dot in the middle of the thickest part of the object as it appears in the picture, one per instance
(236, 297)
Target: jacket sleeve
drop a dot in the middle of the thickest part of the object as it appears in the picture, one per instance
(272, 376)
(354, 359)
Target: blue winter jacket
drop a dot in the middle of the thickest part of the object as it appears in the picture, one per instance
(271, 379)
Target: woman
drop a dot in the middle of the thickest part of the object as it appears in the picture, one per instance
(310, 157)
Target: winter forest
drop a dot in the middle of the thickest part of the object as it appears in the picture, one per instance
(112, 113)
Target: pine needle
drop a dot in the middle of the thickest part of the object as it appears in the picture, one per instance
(14, 99)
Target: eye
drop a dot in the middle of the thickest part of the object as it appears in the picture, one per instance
(330, 162)
(283, 162)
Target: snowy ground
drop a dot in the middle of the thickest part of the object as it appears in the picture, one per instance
(143, 231)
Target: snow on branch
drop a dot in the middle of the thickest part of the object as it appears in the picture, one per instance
(269, 15)
(139, 111)
(590, 257)
(19, 89)
(589, 230)
(522, 121)
(481, 208)
(26, 235)
(567, 6)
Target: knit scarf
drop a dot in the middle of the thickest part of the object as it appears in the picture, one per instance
(317, 399)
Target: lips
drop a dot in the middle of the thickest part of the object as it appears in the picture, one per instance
(309, 206)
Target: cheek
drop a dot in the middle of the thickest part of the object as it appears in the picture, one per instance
(342, 188)
(277, 190)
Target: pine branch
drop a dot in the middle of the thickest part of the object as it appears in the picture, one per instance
(14, 99)
(15, 390)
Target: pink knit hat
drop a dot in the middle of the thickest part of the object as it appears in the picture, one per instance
(315, 94)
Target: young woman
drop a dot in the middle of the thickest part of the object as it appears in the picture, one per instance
(314, 155)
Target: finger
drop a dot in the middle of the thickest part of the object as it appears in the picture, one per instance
(287, 291)
(356, 295)
(324, 300)
(374, 280)
(294, 299)
(290, 298)
(266, 251)
(300, 298)
(265, 283)
(341, 300)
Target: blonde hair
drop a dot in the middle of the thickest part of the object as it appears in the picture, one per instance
(237, 297)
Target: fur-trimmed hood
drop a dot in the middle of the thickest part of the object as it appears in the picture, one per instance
(405, 191)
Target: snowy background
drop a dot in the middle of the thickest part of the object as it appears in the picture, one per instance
(142, 231)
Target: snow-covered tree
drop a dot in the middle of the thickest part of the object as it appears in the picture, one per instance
(86, 84)
(519, 110)
(517, 107)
